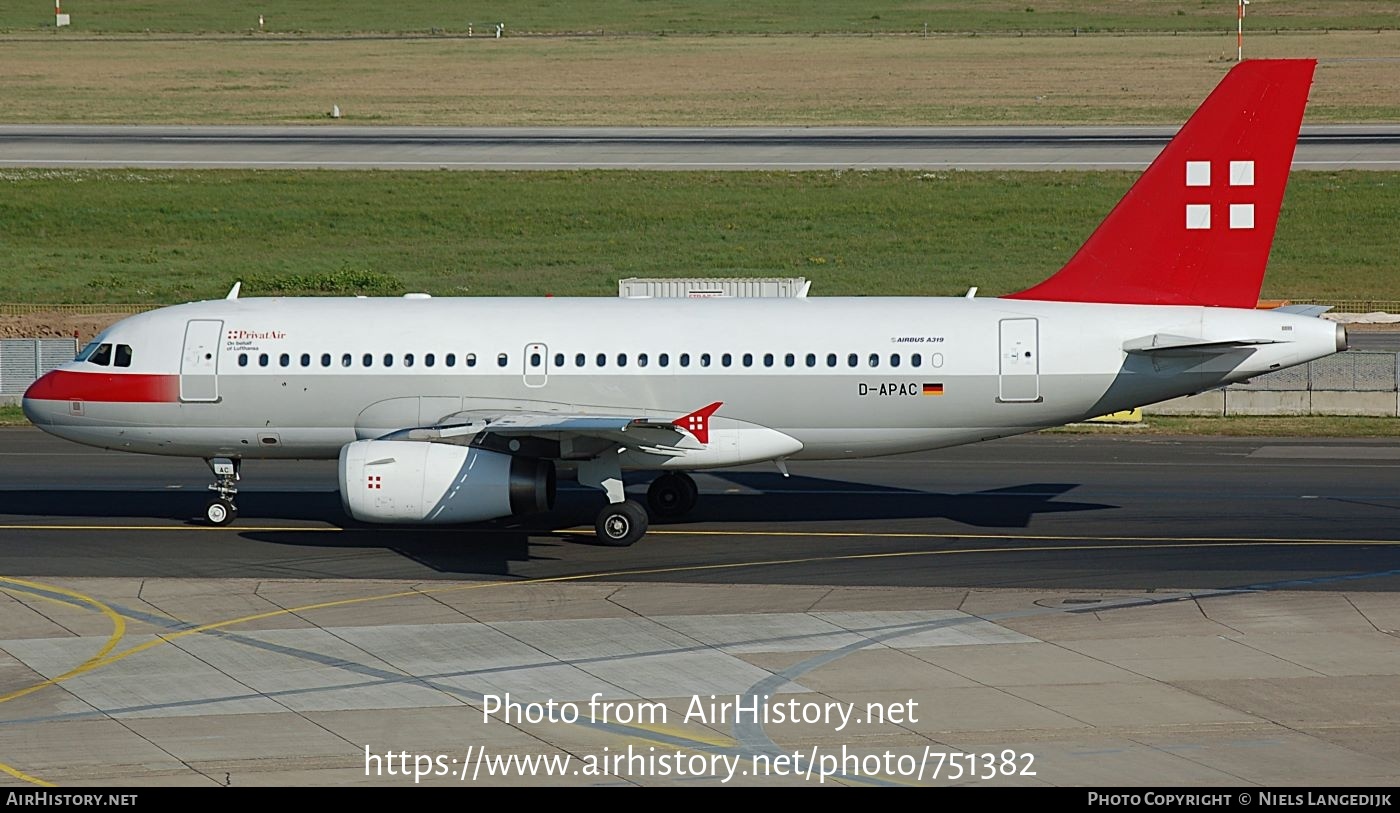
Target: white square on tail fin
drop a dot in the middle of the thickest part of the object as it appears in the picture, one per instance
(1241, 215)
(1198, 215)
(1198, 173)
(1242, 173)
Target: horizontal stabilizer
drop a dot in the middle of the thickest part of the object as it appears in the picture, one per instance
(1165, 342)
(1304, 310)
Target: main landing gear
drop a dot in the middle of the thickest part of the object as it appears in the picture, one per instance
(622, 521)
(621, 524)
(672, 495)
(221, 510)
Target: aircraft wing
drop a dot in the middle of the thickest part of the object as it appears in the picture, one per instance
(551, 434)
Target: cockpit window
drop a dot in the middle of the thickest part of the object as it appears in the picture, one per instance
(123, 358)
(87, 351)
(102, 356)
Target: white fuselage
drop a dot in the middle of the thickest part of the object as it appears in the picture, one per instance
(843, 377)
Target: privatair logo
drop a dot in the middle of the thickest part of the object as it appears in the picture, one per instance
(697, 423)
(1198, 214)
(374, 482)
(234, 335)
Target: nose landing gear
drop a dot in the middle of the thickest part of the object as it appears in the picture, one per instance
(221, 510)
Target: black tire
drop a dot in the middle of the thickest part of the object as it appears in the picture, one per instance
(220, 512)
(621, 524)
(672, 495)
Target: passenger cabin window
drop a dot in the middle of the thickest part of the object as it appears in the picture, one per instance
(641, 359)
(726, 359)
(102, 357)
(602, 359)
(367, 359)
(852, 360)
(558, 359)
(704, 359)
(894, 359)
(874, 359)
(685, 359)
(285, 360)
(306, 359)
(580, 360)
(429, 360)
(831, 359)
(916, 360)
(767, 359)
(790, 360)
(388, 359)
(242, 359)
(622, 359)
(408, 359)
(811, 359)
(470, 359)
(535, 360)
(748, 359)
(664, 360)
(502, 360)
(325, 359)
(345, 360)
(450, 359)
(123, 357)
(262, 359)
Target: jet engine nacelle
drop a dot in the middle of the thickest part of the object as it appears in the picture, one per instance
(415, 481)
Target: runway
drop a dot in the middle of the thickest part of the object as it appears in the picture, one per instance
(1107, 611)
(1320, 147)
(1062, 511)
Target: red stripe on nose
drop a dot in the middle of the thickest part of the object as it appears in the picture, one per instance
(127, 388)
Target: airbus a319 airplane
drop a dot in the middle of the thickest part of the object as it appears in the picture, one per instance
(459, 410)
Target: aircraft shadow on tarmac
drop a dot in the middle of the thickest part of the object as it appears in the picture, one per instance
(755, 498)
(766, 497)
(491, 548)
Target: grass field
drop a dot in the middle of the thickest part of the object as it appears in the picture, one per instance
(122, 236)
(697, 81)
(690, 16)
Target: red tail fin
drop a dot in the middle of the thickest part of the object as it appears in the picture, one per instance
(1197, 226)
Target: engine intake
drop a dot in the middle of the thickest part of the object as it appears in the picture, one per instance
(415, 481)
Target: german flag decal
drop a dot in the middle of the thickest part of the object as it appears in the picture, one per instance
(933, 389)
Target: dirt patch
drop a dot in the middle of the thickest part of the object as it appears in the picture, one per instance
(57, 325)
(723, 80)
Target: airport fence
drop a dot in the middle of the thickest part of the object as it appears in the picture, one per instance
(24, 360)
(1353, 305)
(31, 308)
(638, 287)
(1353, 383)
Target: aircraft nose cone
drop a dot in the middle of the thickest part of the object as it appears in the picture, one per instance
(38, 402)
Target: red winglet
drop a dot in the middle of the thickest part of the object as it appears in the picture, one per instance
(1197, 226)
(697, 423)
